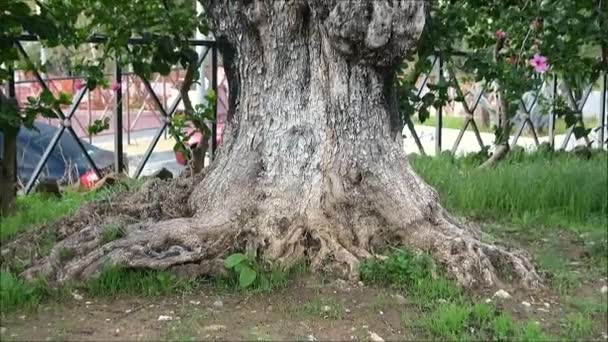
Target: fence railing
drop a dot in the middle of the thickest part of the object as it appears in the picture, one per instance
(530, 114)
(67, 119)
(472, 98)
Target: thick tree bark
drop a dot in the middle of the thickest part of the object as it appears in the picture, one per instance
(8, 186)
(312, 166)
(8, 160)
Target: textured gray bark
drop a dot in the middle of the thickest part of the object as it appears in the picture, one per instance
(312, 166)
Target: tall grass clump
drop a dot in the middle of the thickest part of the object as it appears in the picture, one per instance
(549, 189)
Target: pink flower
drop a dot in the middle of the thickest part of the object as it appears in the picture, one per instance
(539, 63)
(500, 34)
(535, 24)
(115, 86)
(78, 84)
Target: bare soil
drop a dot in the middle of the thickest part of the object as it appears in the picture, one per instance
(310, 308)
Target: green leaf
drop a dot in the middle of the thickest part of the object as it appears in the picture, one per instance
(580, 132)
(234, 260)
(247, 277)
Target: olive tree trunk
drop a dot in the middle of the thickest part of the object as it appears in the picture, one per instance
(312, 166)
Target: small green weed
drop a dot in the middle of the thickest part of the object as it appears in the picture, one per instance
(479, 322)
(400, 268)
(111, 233)
(449, 321)
(324, 308)
(247, 273)
(531, 331)
(588, 306)
(556, 265)
(503, 327)
(66, 254)
(416, 274)
(578, 327)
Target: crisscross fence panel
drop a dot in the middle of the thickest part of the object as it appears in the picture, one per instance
(531, 118)
(68, 120)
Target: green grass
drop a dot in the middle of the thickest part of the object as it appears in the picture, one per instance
(456, 122)
(579, 327)
(111, 233)
(38, 209)
(550, 189)
(448, 313)
(15, 293)
(115, 281)
(561, 277)
(324, 308)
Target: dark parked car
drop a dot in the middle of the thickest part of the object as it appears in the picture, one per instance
(66, 164)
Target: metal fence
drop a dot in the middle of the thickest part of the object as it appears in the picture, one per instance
(67, 121)
(530, 114)
(471, 98)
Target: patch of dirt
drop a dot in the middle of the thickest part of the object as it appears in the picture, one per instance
(305, 311)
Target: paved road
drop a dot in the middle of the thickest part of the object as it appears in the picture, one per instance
(163, 155)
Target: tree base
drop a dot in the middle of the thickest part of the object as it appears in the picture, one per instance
(161, 233)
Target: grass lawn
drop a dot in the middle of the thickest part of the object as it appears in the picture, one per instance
(551, 190)
(456, 122)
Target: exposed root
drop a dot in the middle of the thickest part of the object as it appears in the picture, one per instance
(353, 225)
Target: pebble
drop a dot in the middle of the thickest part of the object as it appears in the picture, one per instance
(311, 338)
(375, 337)
(526, 304)
(488, 301)
(214, 327)
(347, 310)
(116, 332)
(502, 294)
(543, 310)
(77, 296)
(400, 299)
(88, 303)
(547, 305)
(381, 312)
(604, 289)
(218, 304)
(165, 318)
(326, 308)
(107, 319)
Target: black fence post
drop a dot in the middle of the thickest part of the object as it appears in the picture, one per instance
(603, 113)
(12, 95)
(214, 87)
(439, 115)
(552, 117)
(119, 165)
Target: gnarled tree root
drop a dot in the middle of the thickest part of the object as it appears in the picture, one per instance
(331, 240)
